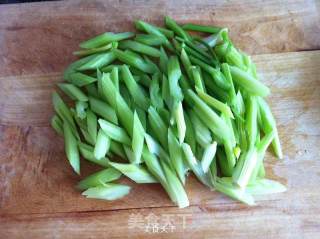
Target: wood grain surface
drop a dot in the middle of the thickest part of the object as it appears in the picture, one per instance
(37, 194)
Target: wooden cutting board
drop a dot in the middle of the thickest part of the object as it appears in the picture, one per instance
(37, 194)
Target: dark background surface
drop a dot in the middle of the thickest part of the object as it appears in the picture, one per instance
(20, 1)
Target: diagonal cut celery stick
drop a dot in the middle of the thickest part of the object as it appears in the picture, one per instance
(107, 191)
(98, 178)
(71, 147)
(105, 38)
(175, 153)
(208, 156)
(102, 145)
(114, 132)
(137, 173)
(137, 138)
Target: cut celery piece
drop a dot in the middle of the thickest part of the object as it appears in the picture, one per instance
(71, 147)
(103, 109)
(102, 145)
(99, 178)
(137, 173)
(174, 74)
(195, 165)
(249, 83)
(107, 191)
(87, 153)
(73, 92)
(137, 138)
(105, 38)
(265, 186)
(179, 119)
(57, 124)
(208, 156)
(114, 132)
(175, 153)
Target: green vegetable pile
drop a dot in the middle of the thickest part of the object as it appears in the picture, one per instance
(157, 105)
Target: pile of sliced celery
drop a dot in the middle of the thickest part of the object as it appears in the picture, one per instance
(157, 105)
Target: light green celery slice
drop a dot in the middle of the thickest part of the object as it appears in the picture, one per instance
(108, 89)
(175, 187)
(163, 60)
(64, 112)
(215, 74)
(154, 91)
(79, 79)
(174, 74)
(57, 124)
(73, 92)
(137, 173)
(208, 156)
(261, 149)
(71, 69)
(115, 77)
(105, 38)
(92, 125)
(154, 166)
(179, 119)
(210, 118)
(155, 148)
(99, 178)
(186, 63)
(249, 83)
(137, 138)
(171, 24)
(158, 126)
(229, 122)
(107, 191)
(134, 61)
(151, 40)
(102, 145)
(114, 132)
(81, 107)
(87, 153)
(153, 30)
(91, 51)
(268, 124)
(114, 98)
(156, 169)
(175, 153)
(244, 168)
(265, 186)
(98, 61)
(201, 131)
(198, 82)
(251, 120)
(166, 32)
(190, 132)
(233, 192)
(134, 89)
(224, 108)
(225, 69)
(103, 109)
(125, 114)
(201, 28)
(71, 147)
(140, 47)
(195, 165)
